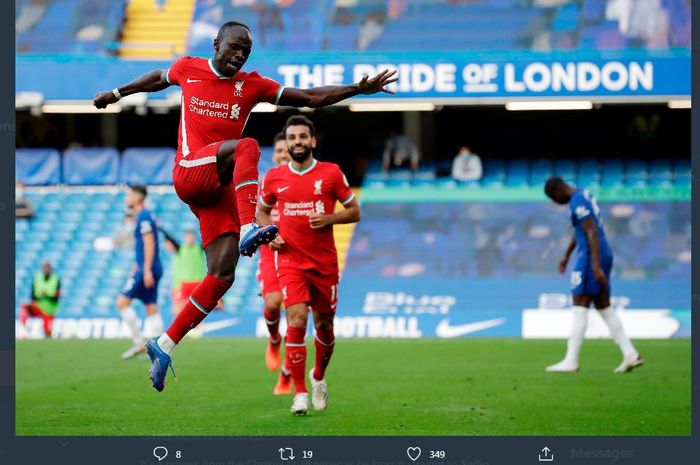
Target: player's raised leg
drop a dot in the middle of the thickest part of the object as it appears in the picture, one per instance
(222, 257)
(237, 160)
(295, 348)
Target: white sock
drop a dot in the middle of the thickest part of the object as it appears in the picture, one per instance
(578, 330)
(129, 317)
(166, 344)
(245, 228)
(617, 332)
(153, 325)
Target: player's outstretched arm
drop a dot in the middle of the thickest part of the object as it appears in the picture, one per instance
(328, 95)
(153, 81)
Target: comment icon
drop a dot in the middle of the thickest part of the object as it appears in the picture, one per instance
(160, 453)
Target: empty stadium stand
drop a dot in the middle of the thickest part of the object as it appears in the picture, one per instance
(68, 228)
(76, 221)
(137, 29)
(379, 25)
(67, 26)
(587, 172)
(73, 222)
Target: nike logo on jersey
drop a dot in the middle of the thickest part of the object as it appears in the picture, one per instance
(190, 81)
(444, 329)
(282, 189)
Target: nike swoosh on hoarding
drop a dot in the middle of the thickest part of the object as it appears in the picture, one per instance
(444, 329)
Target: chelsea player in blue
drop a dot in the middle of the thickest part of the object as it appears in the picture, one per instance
(142, 283)
(590, 278)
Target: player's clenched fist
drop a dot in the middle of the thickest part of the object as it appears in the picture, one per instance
(102, 99)
(276, 243)
(318, 221)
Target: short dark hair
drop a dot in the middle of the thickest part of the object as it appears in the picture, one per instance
(228, 25)
(139, 188)
(299, 120)
(278, 137)
(553, 184)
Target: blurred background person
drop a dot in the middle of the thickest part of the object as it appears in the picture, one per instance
(400, 152)
(46, 290)
(24, 208)
(467, 165)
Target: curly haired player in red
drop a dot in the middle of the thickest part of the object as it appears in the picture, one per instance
(305, 192)
(216, 171)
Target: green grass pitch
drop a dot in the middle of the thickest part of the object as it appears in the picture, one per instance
(427, 387)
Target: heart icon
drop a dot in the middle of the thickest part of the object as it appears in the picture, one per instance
(413, 453)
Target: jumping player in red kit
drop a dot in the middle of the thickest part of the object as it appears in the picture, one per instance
(216, 171)
(305, 192)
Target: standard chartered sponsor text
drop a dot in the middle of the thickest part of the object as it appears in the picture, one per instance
(209, 107)
(299, 208)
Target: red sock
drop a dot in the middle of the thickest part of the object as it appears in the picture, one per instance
(245, 178)
(23, 315)
(203, 299)
(325, 342)
(295, 349)
(273, 323)
(48, 324)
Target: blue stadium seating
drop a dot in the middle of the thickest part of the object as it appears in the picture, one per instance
(152, 166)
(69, 26)
(38, 167)
(306, 25)
(91, 280)
(86, 166)
(588, 172)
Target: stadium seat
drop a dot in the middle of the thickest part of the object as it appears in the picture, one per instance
(494, 173)
(541, 170)
(90, 166)
(38, 167)
(636, 173)
(612, 173)
(518, 173)
(150, 166)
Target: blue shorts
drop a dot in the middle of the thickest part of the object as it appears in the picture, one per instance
(134, 288)
(583, 280)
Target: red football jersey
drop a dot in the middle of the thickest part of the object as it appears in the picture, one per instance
(215, 107)
(298, 195)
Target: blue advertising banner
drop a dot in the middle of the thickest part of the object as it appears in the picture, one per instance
(441, 75)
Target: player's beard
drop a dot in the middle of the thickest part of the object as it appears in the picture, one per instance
(300, 157)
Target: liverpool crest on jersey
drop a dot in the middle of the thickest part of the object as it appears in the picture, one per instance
(239, 89)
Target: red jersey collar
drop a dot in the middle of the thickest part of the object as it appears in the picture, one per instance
(304, 171)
